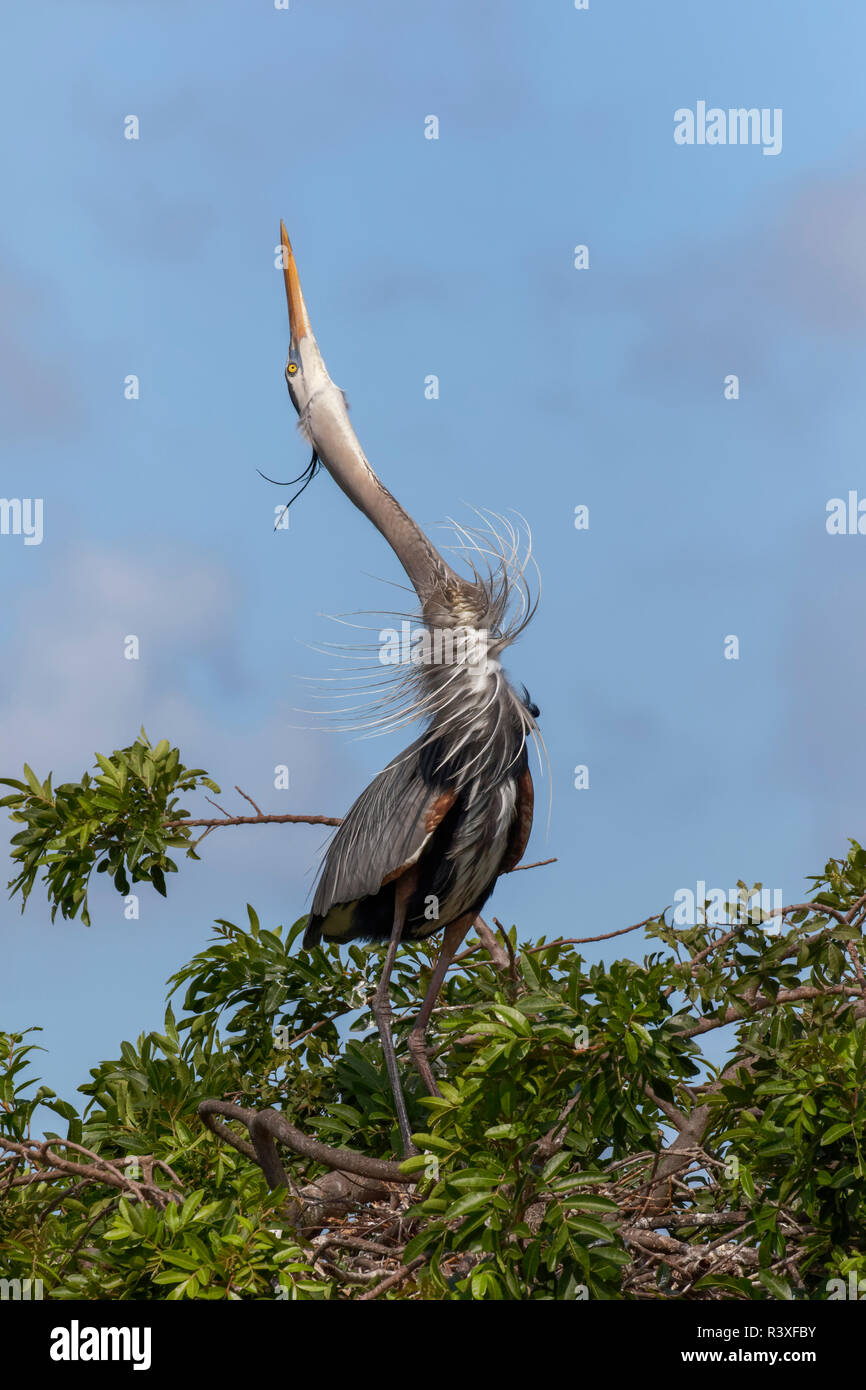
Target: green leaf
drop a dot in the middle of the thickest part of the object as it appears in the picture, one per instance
(517, 1020)
(470, 1202)
(836, 1132)
(779, 1288)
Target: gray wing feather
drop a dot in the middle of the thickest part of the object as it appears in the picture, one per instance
(383, 829)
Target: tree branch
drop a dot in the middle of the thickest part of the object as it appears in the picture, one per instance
(267, 1127)
(49, 1164)
(285, 819)
(763, 1001)
(585, 940)
(254, 820)
(396, 1278)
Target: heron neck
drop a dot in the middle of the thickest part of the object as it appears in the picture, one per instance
(326, 422)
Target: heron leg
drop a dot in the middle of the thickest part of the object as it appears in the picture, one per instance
(382, 1011)
(454, 934)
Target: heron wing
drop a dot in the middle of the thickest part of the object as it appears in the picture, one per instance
(382, 835)
(519, 837)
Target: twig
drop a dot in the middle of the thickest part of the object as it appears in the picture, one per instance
(50, 1164)
(585, 940)
(512, 959)
(537, 864)
(686, 1219)
(250, 800)
(763, 1001)
(858, 968)
(255, 820)
(490, 944)
(94, 1221)
(372, 1247)
(396, 1278)
(263, 819)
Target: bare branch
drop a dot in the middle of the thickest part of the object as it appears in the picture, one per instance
(763, 1001)
(267, 1126)
(262, 819)
(585, 940)
(491, 946)
(41, 1155)
(396, 1278)
(256, 808)
(254, 820)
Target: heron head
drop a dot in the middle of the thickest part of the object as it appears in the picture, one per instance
(305, 370)
(529, 704)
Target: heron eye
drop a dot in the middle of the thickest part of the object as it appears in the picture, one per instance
(292, 368)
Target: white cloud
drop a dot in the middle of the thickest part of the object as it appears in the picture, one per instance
(68, 691)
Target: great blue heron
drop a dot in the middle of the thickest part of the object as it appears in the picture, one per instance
(423, 845)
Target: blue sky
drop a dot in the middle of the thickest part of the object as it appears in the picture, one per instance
(558, 387)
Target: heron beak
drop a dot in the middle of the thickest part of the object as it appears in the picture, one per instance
(299, 319)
